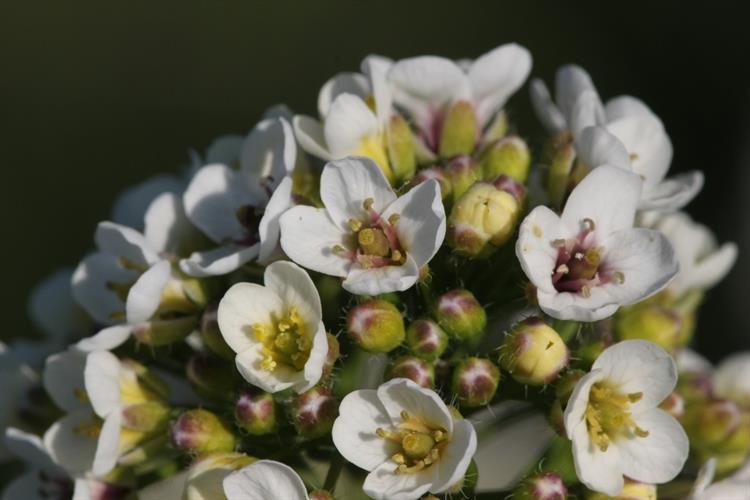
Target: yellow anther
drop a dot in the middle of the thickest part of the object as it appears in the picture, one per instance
(81, 395)
(368, 203)
(355, 225)
(558, 243)
(438, 436)
(619, 277)
(588, 224)
(634, 397)
(338, 249)
(586, 291)
(398, 458)
(404, 415)
(640, 432)
(562, 269)
(393, 219)
(633, 156)
(396, 256)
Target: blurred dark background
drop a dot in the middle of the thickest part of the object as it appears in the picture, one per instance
(96, 96)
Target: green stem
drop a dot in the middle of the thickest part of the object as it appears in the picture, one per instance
(337, 464)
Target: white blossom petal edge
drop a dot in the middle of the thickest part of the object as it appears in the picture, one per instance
(265, 479)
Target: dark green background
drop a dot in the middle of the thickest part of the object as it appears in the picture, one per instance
(95, 96)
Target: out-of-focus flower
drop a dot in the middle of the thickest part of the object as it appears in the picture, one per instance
(17, 378)
(734, 487)
(264, 477)
(731, 379)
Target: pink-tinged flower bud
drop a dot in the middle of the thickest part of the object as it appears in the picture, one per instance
(460, 131)
(211, 335)
(509, 156)
(712, 422)
(461, 316)
(376, 326)
(401, 151)
(314, 411)
(417, 370)
(560, 157)
(320, 495)
(475, 381)
(462, 172)
(633, 490)
(533, 352)
(544, 486)
(426, 339)
(674, 405)
(255, 412)
(145, 417)
(433, 173)
(199, 431)
(211, 377)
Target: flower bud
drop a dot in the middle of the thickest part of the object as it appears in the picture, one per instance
(633, 490)
(401, 148)
(417, 370)
(320, 495)
(559, 459)
(145, 417)
(150, 386)
(462, 172)
(461, 316)
(543, 486)
(333, 354)
(434, 173)
(674, 404)
(560, 165)
(313, 412)
(199, 431)
(255, 412)
(211, 377)
(460, 130)
(205, 477)
(497, 128)
(148, 445)
(712, 422)
(161, 332)
(211, 336)
(475, 381)
(484, 217)
(426, 339)
(376, 326)
(533, 352)
(652, 322)
(739, 440)
(509, 156)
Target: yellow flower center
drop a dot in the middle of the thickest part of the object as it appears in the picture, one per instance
(420, 445)
(608, 415)
(286, 341)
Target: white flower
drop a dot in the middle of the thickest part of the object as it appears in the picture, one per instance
(703, 263)
(735, 487)
(17, 378)
(406, 437)
(264, 479)
(426, 86)
(590, 261)
(43, 478)
(276, 330)
(378, 242)
(131, 205)
(615, 424)
(731, 379)
(577, 106)
(239, 209)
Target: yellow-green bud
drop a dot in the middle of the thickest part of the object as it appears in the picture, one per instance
(650, 322)
(255, 412)
(460, 130)
(475, 381)
(461, 315)
(739, 440)
(426, 339)
(376, 326)
(151, 384)
(146, 417)
(462, 172)
(332, 355)
(161, 332)
(199, 431)
(497, 128)
(434, 173)
(401, 153)
(541, 486)
(633, 490)
(533, 352)
(206, 476)
(211, 377)
(417, 370)
(313, 412)
(560, 165)
(566, 383)
(147, 446)
(509, 156)
(674, 404)
(211, 336)
(712, 422)
(559, 459)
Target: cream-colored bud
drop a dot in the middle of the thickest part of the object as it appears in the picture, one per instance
(533, 352)
(460, 130)
(509, 156)
(400, 141)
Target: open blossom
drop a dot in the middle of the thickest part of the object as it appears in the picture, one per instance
(406, 438)
(615, 424)
(239, 209)
(263, 478)
(734, 487)
(276, 330)
(589, 261)
(365, 234)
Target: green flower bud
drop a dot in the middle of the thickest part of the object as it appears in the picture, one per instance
(206, 476)
(509, 156)
(426, 339)
(401, 153)
(650, 322)
(711, 423)
(434, 173)
(559, 459)
(560, 157)
(475, 381)
(533, 352)
(199, 431)
(417, 370)
(460, 130)
(145, 417)
(461, 172)
(461, 315)
(542, 486)
(255, 412)
(211, 377)
(211, 336)
(633, 490)
(147, 446)
(485, 217)
(161, 332)
(313, 412)
(566, 383)
(376, 326)
(497, 128)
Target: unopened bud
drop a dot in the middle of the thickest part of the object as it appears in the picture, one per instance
(401, 148)
(543, 486)
(145, 417)
(150, 386)
(533, 352)
(417, 370)
(509, 156)
(633, 490)
(426, 339)
(649, 322)
(739, 440)
(255, 412)
(161, 332)
(561, 163)
(674, 404)
(460, 130)
(461, 316)
(462, 172)
(147, 446)
(199, 431)
(475, 381)
(211, 377)
(211, 335)
(434, 173)
(205, 479)
(712, 422)
(314, 411)
(333, 354)
(376, 326)
(497, 128)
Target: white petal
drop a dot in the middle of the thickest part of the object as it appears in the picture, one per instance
(342, 83)
(608, 196)
(167, 228)
(384, 484)
(295, 288)
(268, 228)
(124, 242)
(248, 363)
(596, 146)
(689, 361)
(310, 135)
(71, 450)
(346, 184)
(551, 117)
(219, 261)
(497, 75)
(402, 394)
(267, 156)
(131, 205)
(376, 68)
(224, 149)
(25, 486)
(575, 307)
(63, 379)
(672, 193)
(534, 247)
(570, 82)
(456, 457)
(732, 377)
(171, 488)
(106, 339)
(625, 106)
(28, 447)
(313, 370)
(52, 308)
(585, 112)
(263, 480)
(578, 402)
(144, 296)
(108, 445)
(639, 366)
(705, 478)
(598, 470)
(90, 286)
(421, 223)
(348, 122)
(378, 280)
(360, 414)
(308, 236)
(102, 378)
(648, 144)
(658, 457)
(244, 305)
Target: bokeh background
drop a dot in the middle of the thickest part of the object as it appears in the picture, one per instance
(96, 96)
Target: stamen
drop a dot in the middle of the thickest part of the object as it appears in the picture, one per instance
(393, 219)
(355, 225)
(368, 203)
(558, 243)
(588, 224)
(619, 277)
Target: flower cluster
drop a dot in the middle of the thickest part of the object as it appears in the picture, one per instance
(364, 304)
